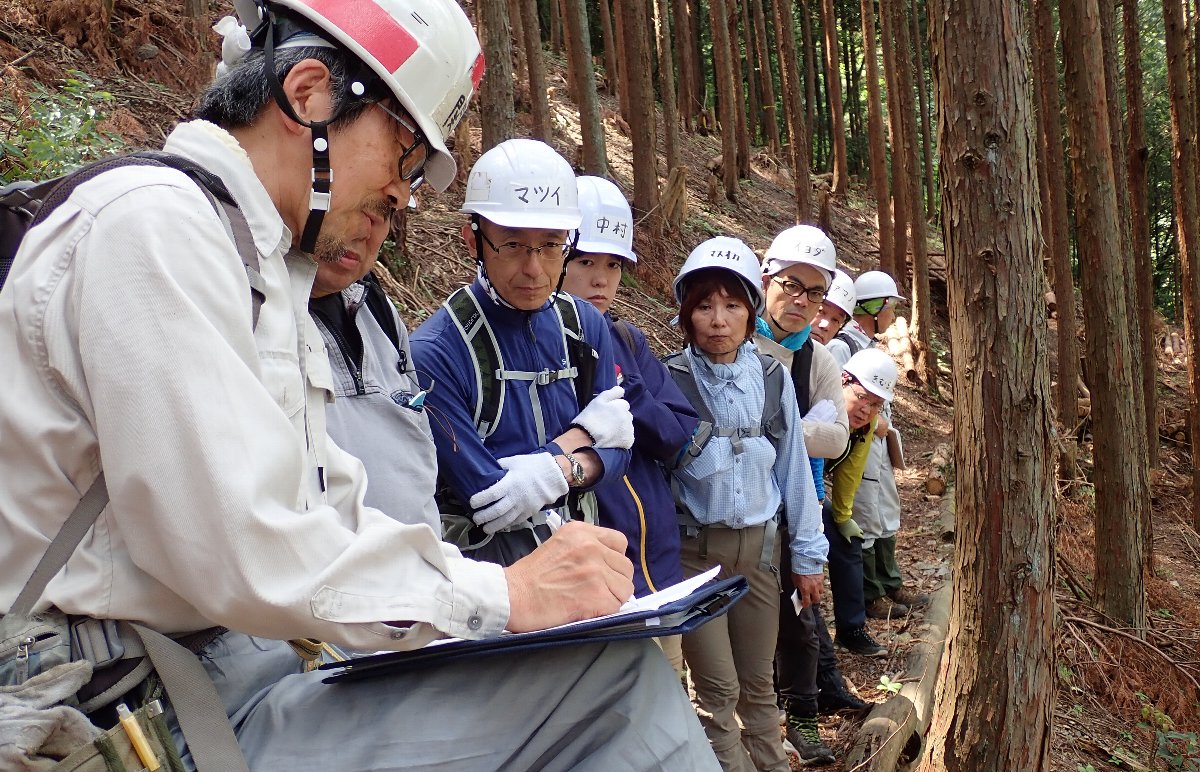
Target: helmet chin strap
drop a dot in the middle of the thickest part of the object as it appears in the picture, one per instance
(322, 173)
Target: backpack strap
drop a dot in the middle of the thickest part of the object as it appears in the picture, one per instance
(774, 418)
(27, 204)
(382, 309)
(801, 368)
(625, 331)
(580, 353)
(850, 342)
(481, 343)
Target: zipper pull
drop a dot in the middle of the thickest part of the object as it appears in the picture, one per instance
(23, 647)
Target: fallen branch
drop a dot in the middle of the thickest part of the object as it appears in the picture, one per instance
(893, 735)
(1147, 644)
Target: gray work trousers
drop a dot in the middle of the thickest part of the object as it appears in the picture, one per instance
(588, 707)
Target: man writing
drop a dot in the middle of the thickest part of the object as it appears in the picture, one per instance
(133, 348)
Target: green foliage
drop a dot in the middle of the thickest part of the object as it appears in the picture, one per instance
(887, 685)
(1178, 750)
(1086, 768)
(56, 130)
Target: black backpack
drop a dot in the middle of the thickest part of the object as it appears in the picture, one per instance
(26, 203)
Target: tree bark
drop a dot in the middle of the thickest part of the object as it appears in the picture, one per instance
(922, 300)
(919, 42)
(1121, 176)
(539, 105)
(579, 49)
(810, 80)
(1184, 189)
(639, 70)
(875, 142)
(766, 82)
(723, 71)
(739, 93)
(556, 32)
(612, 74)
(789, 67)
(1058, 240)
(754, 105)
(1139, 228)
(618, 20)
(833, 87)
(666, 83)
(995, 701)
(685, 49)
(496, 113)
(898, 266)
(1120, 473)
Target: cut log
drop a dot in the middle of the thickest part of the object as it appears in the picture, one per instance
(942, 457)
(899, 332)
(946, 517)
(935, 483)
(1083, 407)
(1051, 304)
(893, 734)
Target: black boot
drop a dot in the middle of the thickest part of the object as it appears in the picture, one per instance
(834, 697)
(804, 736)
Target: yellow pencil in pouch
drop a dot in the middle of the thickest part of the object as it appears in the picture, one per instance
(137, 738)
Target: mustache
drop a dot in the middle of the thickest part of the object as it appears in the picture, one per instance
(331, 250)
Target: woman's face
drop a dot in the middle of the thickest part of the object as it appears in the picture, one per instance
(861, 405)
(719, 325)
(595, 278)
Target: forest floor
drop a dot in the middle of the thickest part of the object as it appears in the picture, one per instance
(1118, 697)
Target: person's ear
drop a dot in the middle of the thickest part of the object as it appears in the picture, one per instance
(468, 236)
(308, 88)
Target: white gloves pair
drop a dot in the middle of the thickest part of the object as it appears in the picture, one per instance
(532, 481)
(607, 419)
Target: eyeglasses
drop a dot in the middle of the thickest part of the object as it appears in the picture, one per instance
(551, 251)
(874, 305)
(873, 401)
(412, 160)
(795, 289)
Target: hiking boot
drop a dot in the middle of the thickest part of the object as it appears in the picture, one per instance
(909, 598)
(803, 735)
(836, 698)
(857, 640)
(884, 607)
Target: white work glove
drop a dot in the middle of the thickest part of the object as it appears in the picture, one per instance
(607, 419)
(532, 481)
(823, 412)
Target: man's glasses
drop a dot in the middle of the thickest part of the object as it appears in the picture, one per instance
(414, 157)
(873, 401)
(551, 251)
(794, 289)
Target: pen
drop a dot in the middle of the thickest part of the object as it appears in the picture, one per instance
(137, 738)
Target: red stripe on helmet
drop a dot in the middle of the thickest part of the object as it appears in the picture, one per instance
(371, 27)
(477, 71)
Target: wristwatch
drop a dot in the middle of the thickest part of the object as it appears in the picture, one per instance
(578, 478)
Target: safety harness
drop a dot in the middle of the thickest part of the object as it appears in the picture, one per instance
(491, 378)
(773, 426)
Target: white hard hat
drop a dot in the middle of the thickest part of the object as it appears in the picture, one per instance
(801, 244)
(841, 292)
(875, 370)
(876, 284)
(729, 254)
(607, 226)
(424, 51)
(523, 183)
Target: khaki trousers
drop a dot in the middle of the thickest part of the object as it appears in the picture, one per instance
(730, 658)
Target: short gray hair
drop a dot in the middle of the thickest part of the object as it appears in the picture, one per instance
(235, 99)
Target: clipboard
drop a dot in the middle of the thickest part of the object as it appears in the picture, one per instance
(705, 604)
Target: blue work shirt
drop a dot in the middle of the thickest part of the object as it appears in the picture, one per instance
(527, 340)
(745, 489)
(640, 504)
